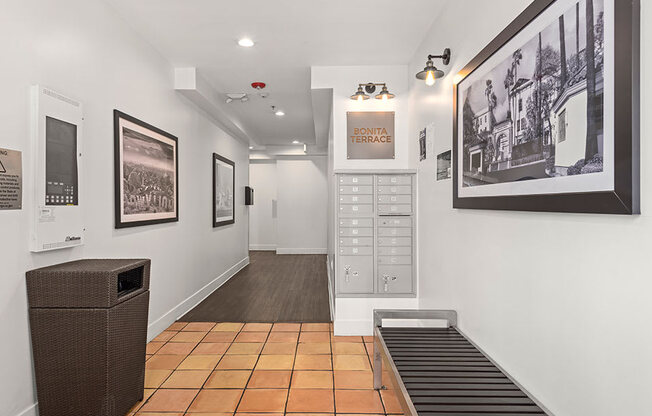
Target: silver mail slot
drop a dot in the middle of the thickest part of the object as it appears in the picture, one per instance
(394, 209)
(356, 189)
(356, 241)
(356, 199)
(394, 232)
(394, 260)
(394, 222)
(395, 199)
(356, 209)
(356, 232)
(394, 241)
(356, 180)
(394, 251)
(356, 222)
(393, 180)
(357, 251)
(394, 189)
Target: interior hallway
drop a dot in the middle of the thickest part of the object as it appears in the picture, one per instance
(273, 288)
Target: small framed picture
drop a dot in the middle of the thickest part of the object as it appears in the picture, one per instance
(146, 173)
(223, 191)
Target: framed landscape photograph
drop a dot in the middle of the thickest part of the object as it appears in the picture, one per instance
(146, 173)
(546, 117)
(223, 191)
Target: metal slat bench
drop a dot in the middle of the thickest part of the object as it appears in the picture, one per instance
(438, 372)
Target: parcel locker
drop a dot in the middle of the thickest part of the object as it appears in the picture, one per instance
(356, 274)
(375, 253)
(395, 279)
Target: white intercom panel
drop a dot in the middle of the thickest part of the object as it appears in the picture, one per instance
(57, 220)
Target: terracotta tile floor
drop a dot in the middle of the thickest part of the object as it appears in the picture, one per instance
(237, 369)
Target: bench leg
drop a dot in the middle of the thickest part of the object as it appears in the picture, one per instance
(378, 366)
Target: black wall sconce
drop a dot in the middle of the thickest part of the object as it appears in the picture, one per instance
(370, 88)
(430, 73)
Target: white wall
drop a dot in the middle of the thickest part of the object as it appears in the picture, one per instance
(82, 49)
(561, 301)
(302, 205)
(344, 81)
(262, 215)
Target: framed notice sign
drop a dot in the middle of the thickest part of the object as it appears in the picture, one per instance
(370, 135)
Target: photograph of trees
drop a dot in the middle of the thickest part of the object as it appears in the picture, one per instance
(539, 113)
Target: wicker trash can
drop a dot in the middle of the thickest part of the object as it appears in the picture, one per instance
(88, 320)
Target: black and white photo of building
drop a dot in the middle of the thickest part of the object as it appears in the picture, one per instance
(539, 113)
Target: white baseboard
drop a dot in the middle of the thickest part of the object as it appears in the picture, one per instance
(301, 251)
(193, 300)
(262, 247)
(353, 327)
(30, 411)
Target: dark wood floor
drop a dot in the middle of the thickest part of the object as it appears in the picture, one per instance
(272, 288)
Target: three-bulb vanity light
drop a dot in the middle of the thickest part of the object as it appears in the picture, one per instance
(430, 73)
(370, 88)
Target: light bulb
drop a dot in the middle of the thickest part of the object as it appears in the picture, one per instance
(384, 97)
(430, 78)
(360, 97)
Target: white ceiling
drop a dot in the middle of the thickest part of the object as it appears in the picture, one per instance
(290, 35)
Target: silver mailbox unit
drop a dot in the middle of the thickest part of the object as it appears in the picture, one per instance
(376, 235)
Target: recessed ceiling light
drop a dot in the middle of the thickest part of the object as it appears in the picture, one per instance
(296, 142)
(251, 148)
(246, 43)
(279, 113)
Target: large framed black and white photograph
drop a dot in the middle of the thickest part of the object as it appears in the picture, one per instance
(146, 173)
(223, 189)
(546, 116)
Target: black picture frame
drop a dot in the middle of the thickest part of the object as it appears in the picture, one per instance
(216, 222)
(625, 198)
(121, 219)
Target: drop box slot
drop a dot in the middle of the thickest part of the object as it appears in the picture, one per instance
(130, 280)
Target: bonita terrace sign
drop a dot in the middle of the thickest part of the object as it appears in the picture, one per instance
(370, 135)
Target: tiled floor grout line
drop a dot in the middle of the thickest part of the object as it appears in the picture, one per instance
(244, 389)
(331, 333)
(211, 371)
(209, 375)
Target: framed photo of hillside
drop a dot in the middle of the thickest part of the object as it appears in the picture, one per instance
(223, 191)
(546, 117)
(146, 173)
